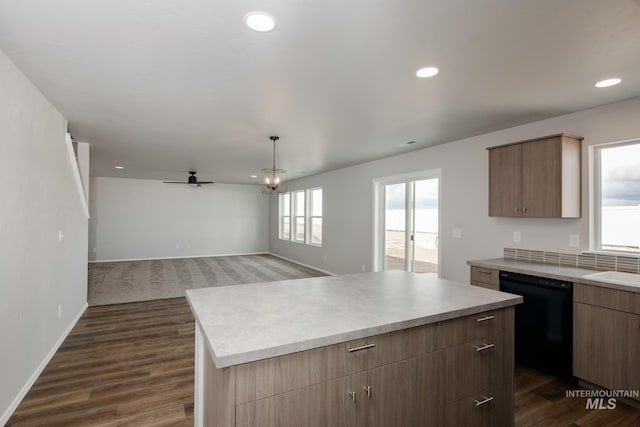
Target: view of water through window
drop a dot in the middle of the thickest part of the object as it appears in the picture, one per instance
(620, 203)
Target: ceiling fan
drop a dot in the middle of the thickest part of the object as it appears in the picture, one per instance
(193, 181)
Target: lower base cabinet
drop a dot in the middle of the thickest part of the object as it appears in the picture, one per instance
(453, 373)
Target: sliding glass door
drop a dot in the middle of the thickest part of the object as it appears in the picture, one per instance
(408, 224)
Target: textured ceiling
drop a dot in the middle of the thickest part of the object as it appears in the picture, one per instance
(166, 86)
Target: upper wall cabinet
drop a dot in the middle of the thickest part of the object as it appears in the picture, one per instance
(537, 178)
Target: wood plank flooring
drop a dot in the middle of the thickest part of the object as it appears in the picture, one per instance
(125, 364)
(540, 401)
(132, 365)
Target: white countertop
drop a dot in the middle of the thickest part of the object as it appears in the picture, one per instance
(245, 323)
(551, 271)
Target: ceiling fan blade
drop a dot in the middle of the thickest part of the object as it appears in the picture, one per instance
(174, 182)
(206, 182)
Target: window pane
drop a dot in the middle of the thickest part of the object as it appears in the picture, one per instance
(299, 236)
(620, 204)
(316, 231)
(316, 202)
(286, 227)
(299, 205)
(286, 203)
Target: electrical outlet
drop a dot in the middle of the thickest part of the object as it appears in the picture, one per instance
(363, 268)
(95, 250)
(178, 246)
(325, 258)
(59, 311)
(516, 236)
(574, 240)
(60, 236)
(457, 233)
(188, 245)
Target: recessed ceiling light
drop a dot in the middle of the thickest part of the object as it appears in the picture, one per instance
(260, 21)
(119, 167)
(608, 82)
(254, 176)
(423, 73)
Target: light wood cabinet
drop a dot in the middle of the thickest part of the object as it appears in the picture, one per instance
(539, 178)
(409, 378)
(485, 278)
(606, 337)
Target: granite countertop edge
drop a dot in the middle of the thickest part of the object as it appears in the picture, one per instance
(550, 271)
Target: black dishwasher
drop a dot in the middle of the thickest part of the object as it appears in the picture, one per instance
(543, 322)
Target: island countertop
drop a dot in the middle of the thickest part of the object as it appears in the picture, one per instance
(246, 323)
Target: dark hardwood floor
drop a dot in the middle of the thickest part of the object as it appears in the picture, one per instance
(125, 364)
(132, 365)
(540, 400)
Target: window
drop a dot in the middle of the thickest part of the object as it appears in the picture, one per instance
(315, 217)
(298, 217)
(285, 216)
(617, 197)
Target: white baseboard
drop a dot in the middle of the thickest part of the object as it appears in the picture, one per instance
(302, 264)
(7, 414)
(176, 257)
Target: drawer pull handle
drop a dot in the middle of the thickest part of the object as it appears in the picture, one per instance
(484, 400)
(362, 347)
(353, 396)
(485, 318)
(484, 347)
(368, 390)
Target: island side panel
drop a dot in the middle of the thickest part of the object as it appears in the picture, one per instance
(214, 400)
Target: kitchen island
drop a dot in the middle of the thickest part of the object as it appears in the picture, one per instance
(388, 348)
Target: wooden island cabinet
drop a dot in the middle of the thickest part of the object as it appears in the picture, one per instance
(447, 369)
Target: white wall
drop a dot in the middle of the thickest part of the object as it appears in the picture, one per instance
(348, 197)
(39, 197)
(142, 219)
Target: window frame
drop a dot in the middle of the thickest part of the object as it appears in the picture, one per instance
(294, 216)
(282, 215)
(597, 197)
(311, 217)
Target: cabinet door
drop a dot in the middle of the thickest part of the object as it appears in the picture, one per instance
(387, 395)
(505, 173)
(430, 390)
(633, 352)
(322, 405)
(599, 343)
(542, 178)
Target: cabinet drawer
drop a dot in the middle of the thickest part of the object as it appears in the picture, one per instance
(485, 285)
(488, 408)
(472, 327)
(378, 350)
(605, 297)
(485, 275)
(264, 378)
(474, 366)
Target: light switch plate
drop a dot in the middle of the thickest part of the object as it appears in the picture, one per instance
(457, 233)
(516, 236)
(574, 240)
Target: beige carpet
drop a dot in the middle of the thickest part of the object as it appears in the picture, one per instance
(130, 281)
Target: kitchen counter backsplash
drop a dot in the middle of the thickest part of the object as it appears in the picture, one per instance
(590, 261)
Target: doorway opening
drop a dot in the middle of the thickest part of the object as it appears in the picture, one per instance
(407, 223)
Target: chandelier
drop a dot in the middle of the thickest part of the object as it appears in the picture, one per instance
(274, 181)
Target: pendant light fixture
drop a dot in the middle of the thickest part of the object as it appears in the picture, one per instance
(274, 181)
